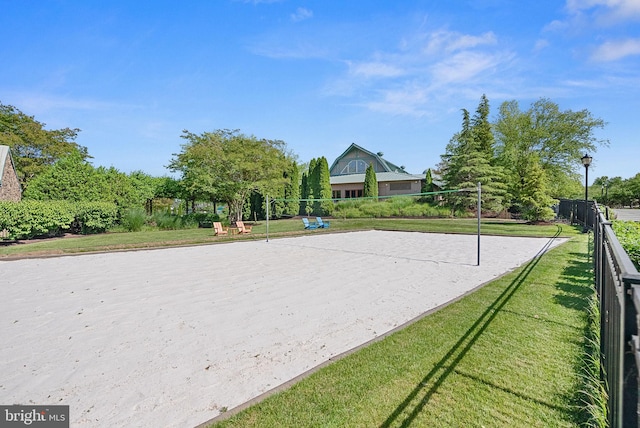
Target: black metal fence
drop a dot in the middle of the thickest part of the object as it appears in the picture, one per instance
(617, 283)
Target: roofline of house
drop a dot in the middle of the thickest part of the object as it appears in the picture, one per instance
(388, 166)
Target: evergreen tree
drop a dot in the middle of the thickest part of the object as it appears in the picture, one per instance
(292, 190)
(309, 187)
(313, 178)
(427, 186)
(323, 190)
(370, 183)
(453, 161)
(534, 194)
(468, 161)
(481, 128)
(304, 192)
(314, 182)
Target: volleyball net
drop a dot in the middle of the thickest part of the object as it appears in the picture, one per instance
(417, 205)
(424, 204)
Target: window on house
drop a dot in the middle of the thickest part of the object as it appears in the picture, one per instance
(353, 193)
(355, 166)
(403, 185)
(336, 194)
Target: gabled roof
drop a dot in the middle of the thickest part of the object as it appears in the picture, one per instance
(381, 177)
(388, 166)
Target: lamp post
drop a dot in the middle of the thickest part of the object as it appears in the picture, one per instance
(586, 161)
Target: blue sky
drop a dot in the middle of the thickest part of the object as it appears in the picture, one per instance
(391, 76)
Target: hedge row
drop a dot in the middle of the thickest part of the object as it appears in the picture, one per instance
(30, 219)
(398, 206)
(628, 233)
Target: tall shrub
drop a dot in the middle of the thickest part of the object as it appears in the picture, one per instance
(292, 190)
(370, 183)
(324, 187)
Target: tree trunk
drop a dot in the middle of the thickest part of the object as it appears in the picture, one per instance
(235, 210)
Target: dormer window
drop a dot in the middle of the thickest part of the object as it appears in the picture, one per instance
(356, 166)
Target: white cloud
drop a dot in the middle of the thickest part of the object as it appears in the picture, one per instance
(449, 42)
(426, 69)
(615, 50)
(375, 69)
(301, 14)
(556, 25)
(274, 48)
(606, 12)
(408, 101)
(540, 45)
(41, 103)
(462, 67)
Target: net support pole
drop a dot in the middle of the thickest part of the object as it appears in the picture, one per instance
(479, 216)
(267, 218)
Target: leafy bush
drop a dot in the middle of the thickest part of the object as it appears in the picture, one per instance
(29, 219)
(376, 209)
(628, 233)
(399, 203)
(204, 217)
(349, 212)
(133, 219)
(34, 218)
(95, 217)
(194, 220)
(167, 221)
(399, 206)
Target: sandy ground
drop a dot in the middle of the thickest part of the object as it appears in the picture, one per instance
(170, 337)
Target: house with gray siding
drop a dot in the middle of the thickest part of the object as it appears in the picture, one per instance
(347, 175)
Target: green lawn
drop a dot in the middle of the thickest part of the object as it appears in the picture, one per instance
(508, 355)
(279, 228)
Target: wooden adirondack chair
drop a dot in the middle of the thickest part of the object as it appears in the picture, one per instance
(242, 228)
(219, 230)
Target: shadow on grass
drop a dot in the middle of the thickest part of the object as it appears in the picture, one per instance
(448, 364)
(575, 290)
(576, 285)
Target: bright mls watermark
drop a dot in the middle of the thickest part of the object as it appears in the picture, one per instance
(34, 416)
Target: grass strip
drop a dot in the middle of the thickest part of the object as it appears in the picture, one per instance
(510, 354)
(278, 228)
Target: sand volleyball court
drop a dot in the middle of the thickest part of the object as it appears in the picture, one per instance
(171, 337)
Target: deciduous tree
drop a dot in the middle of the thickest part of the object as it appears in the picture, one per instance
(72, 178)
(34, 148)
(557, 138)
(227, 165)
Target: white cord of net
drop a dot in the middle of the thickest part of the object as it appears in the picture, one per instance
(479, 204)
